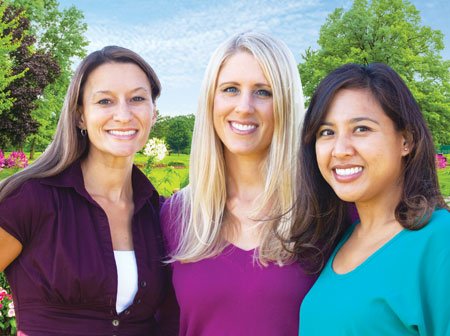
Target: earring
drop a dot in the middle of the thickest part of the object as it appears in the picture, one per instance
(405, 148)
(83, 132)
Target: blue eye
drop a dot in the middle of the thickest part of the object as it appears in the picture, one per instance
(264, 93)
(231, 89)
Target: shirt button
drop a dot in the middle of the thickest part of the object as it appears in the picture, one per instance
(143, 284)
(115, 323)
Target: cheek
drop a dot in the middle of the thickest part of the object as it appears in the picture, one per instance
(323, 155)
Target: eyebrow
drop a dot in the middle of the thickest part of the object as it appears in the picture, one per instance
(109, 92)
(237, 84)
(353, 120)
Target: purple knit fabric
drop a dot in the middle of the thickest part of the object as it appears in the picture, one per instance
(232, 295)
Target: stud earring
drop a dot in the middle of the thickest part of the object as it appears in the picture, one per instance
(83, 132)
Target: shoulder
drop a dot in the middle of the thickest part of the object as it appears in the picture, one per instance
(434, 236)
(171, 207)
(27, 193)
(171, 217)
(439, 223)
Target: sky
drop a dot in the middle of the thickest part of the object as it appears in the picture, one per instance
(177, 37)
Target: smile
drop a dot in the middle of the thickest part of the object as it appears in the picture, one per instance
(242, 127)
(348, 171)
(122, 133)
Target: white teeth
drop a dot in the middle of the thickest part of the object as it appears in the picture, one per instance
(122, 133)
(348, 171)
(242, 127)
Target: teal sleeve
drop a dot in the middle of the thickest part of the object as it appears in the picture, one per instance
(437, 298)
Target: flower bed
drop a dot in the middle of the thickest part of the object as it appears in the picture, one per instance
(7, 313)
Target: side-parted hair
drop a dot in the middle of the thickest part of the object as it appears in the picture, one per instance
(68, 144)
(321, 217)
(203, 200)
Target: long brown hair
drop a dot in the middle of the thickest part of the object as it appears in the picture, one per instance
(321, 217)
(68, 145)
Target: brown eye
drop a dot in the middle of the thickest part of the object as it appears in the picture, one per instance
(326, 132)
(104, 101)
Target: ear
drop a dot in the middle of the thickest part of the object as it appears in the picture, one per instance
(81, 121)
(154, 116)
(408, 143)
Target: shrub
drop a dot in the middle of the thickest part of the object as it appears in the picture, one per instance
(441, 161)
(7, 312)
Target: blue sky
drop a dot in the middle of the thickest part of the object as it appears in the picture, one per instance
(177, 37)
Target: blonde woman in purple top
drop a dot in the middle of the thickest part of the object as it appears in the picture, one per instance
(80, 239)
(231, 274)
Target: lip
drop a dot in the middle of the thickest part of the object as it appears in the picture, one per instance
(347, 173)
(242, 128)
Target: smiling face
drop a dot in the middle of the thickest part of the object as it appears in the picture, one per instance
(117, 110)
(243, 107)
(358, 149)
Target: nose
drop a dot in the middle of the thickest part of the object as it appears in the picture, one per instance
(123, 112)
(343, 146)
(245, 103)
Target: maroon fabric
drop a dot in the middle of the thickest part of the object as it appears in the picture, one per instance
(65, 280)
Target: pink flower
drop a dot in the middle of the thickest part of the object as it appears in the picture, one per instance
(441, 161)
(11, 313)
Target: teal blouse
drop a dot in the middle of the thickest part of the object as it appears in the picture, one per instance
(401, 289)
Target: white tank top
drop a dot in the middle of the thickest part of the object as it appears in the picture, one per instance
(127, 279)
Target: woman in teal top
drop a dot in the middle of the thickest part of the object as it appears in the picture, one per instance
(365, 141)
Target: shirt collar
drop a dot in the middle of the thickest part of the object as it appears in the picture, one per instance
(72, 177)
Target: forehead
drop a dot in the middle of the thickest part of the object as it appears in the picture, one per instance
(243, 66)
(117, 76)
(354, 103)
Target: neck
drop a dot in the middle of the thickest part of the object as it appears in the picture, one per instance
(376, 214)
(110, 179)
(244, 177)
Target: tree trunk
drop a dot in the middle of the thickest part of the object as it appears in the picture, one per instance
(33, 143)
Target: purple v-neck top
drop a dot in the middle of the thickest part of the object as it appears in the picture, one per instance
(232, 295)
(64, 282)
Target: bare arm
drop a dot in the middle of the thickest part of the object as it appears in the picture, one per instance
(10, 248)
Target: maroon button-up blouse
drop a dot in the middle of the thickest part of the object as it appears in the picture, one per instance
(65, 280)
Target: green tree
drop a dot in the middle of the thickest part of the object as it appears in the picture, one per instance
(39, 69)
(387, 31)
(160, 128)
(61, 33)
(179, 133)
(8, 44)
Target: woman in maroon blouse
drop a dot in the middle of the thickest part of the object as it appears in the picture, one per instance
(80, 240)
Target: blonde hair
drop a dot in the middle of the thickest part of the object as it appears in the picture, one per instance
(68, 144)
(203, 200)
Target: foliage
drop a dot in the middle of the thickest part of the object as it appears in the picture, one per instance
(39, 68)
(7, 313)
(387, 31)
(61, 33)
(8, 44)
(176, 131)
(179, 133)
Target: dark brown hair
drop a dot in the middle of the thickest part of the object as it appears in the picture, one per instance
(321, 217)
